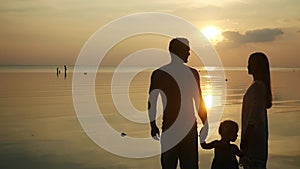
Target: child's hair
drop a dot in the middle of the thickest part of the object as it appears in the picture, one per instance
(227, 127)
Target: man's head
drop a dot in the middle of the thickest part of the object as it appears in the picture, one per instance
(180, 47)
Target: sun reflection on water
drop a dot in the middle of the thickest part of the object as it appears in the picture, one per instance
(208, 99)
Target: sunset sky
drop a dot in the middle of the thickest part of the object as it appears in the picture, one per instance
(38, 32)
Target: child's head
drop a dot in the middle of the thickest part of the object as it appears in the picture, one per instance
(228, 130)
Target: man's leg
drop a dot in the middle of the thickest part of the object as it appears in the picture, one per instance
(169, 159)
(188, 155)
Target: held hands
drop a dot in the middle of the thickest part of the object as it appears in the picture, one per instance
(204, 132)
(244, 148)
(244, 160)
(244, 145)
(155, 133)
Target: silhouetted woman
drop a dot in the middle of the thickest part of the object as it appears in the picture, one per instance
(256, 101)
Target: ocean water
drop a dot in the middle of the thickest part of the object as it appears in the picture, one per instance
(39, 127)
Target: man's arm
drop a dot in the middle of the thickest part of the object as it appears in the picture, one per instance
(152, 104)
(202, 113)
(201, 109)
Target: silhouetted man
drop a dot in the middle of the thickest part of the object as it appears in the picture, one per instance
(179, 87)
(65, 67)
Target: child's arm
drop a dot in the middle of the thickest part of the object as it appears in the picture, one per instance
(210, 145)
(237, 151)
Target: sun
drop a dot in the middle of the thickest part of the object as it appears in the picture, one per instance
(212, 33)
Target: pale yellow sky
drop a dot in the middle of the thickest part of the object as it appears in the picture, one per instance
(53, 32)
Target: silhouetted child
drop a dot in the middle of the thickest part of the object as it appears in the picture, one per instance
(225, 152)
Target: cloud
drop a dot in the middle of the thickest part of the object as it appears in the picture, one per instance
(262, 35)
(235, 39)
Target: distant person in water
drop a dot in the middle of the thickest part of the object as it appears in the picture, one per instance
(65, 67)
(225, 152)
(179, 87)
(57, 71)
(256, 101)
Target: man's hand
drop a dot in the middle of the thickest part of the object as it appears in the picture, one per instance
(204, 132)
(155, 132)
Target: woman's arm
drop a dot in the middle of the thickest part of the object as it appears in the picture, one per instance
(237, 151)
(248, 135)
(256, 111)
(257, 102)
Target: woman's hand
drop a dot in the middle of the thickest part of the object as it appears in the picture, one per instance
(244, 145)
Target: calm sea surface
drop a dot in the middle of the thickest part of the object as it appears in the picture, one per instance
(39, 128)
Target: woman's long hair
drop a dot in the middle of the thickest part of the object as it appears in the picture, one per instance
(261, 70)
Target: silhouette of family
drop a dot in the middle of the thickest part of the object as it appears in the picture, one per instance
(179, 87)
